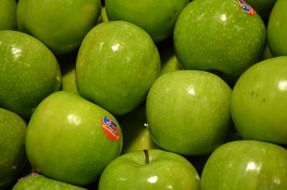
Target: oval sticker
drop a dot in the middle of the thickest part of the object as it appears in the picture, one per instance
(246, 7)
(110, 129)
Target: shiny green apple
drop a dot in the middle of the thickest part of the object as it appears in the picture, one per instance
(8, 20)
(188, 111)
(149, 170)
(71, 139)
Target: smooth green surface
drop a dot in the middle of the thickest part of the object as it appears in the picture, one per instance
(262, 7)
(65, 140)
(8, 19)
(221, 38)
(28, 72)
(188, 111)
(12, 148)
(165, 170)
(259, 101)
(61, 25)
(40, 182)
(277, 29)
(246, 165)
(156, 17)
(116, 65)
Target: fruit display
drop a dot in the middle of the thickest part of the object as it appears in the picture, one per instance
(143, 95)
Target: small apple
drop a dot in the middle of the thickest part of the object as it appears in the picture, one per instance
(246, 165)
(155, 17)
(149, 170)
(8, 19)
(135, 131)
(259, 101)
(116, 65)
(40, 182)
(277, 29)
(12, 146)
(71, 139)
(188, 111)
(29, 72)
(104, 16)
(225, 36)
(61, 25)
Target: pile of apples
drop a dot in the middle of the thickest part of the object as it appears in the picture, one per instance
(145, 95)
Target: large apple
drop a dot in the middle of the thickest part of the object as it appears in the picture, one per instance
(149, 170)
(277, 29)
(259, 101)
(116, 65)
(156, 17)
(246, 165)
(61, 25)
(71, 139)
(12, 146)
(188, 111)
(28, 72)
(8, 19)
(225, 36)
(40, 182)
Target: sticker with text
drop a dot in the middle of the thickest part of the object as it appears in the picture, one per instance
(246, 7)
(110, 128)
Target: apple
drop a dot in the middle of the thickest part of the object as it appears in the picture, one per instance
(188, 111)
(71, 139)
(149, 170)
(35, 181)
(277, 29)
(8, 19)
(29, 72)
(12, 146)
(104, 16)
(246, 165)
(259, 101)
(116, 65)
(61, 25)
(262, 7)
(227, 37)
(135, 131)
(156, 17)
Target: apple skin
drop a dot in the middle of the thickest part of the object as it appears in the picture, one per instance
(61, 25)
(259, 101)
(8, 19)
(222, 38)
(277, 29)
(156, 17)
(116, 65)
(29, 72)
(246, 165)
(12, 146)
(163, 170)
(66, 139)
(188, 111)
(36, 182)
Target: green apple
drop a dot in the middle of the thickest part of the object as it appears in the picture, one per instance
(156, 17)
(225, 36)
(246, 165)
(69, 80)
(149, 170)
(259, 101)
(277, 29)
(71, 139)
(188, 111)
(61, 25)
(262, 7)
(116, 65)
(28, 72)
(40, 182)
(12, 146)
(135, 131)
(8, 20)
(104, 16)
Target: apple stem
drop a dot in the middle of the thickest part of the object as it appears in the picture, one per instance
(146, 156)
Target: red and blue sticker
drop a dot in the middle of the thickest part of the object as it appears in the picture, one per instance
(246, 7)
(110, 129)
